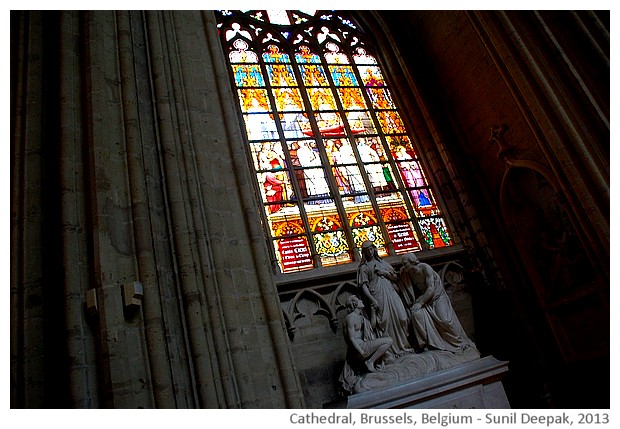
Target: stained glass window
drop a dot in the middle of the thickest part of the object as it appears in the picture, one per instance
(333, 159)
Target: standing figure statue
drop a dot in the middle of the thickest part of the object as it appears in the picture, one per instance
(376, 279)
(434, 321)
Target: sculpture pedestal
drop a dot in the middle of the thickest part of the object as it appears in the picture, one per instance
(475, 384)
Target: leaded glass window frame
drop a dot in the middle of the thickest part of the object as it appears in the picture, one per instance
(335, 162)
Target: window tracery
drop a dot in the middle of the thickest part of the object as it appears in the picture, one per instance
(333, 159)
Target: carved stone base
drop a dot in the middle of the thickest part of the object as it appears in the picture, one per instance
(475, 384)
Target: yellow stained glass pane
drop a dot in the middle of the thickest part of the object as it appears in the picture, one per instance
(351, 98)
(287, 99)
(391, 122)
(322, 99)
(281, 75)
(401, 148)
(313, 75)
(248, 75)
(370, 233)
(254, 100)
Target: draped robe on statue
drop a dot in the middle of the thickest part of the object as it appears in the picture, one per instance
(392, 316)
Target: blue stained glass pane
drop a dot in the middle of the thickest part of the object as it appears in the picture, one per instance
(343, 75)
(248, 75)
(281, 75)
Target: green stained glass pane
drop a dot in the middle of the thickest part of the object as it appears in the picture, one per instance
(248, 75)
(380, 176)
(381, 98)
(254, 100)
(435, 232)
(351, 98)
(343, 75)
(390, 121)
(313, 75)
(371, 75)
(281, 75)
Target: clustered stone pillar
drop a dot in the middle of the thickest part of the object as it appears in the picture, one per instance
(150, 170)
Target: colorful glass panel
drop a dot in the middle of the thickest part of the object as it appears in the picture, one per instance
(361, 57)
(360, 123)
(254, 100)
(260, 126)
(242, 55)
(435, 232)
(390, 122)
(281, 75)
(273, 55)
(248, 75)
(343, 75)
(371, 233)
(333, 56)
(329, 123)
(287, 99)
(313, 75)
(322, 147)
(380, 98)
(304, 55)
(293, 254)
(332, 248)
(371, 75)
(351, 98)
(321, 98)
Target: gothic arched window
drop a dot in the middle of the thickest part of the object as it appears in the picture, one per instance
(334, 162)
